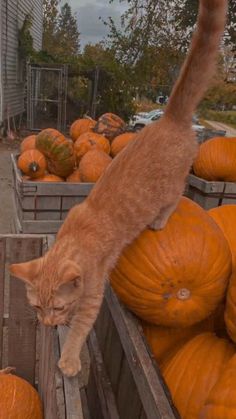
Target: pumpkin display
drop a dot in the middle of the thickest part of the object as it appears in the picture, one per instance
(93, 164)
(28, 143)
(110, 125)
(216, 160)
(121, 142)
(87, 142)
(32, 163)
(80, 126)
(74, 177)
(177, 276)
(58, 151)
(221, 402)
(50, 178)
(194, 370)
(18, 398)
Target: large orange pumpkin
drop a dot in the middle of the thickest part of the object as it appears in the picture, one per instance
(28, 143)
(58, 151)
(93, 164)
(221, 402)
(110, 125)
(80, 126)
(176, 276)
(32, 163)
(18, 398)
(166, 341)
(121, 142)
(74, 177)
(225, 217)
(50, 178)
(87, 142)
(216, 160)
(194, 370)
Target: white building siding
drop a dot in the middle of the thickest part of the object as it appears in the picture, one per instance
(13, 13)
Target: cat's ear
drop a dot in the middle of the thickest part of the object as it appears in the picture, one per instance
(70, 272)
(26, 271)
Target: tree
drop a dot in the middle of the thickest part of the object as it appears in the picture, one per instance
(154, 36)
(67, 34)
(50, 22)
(60, 32)
(115, 90)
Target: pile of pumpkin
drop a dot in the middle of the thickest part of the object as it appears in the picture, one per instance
(181, 283)
(51, 157)
(216, 160)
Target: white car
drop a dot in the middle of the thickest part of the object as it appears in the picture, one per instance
(142, 119)
(138, 121)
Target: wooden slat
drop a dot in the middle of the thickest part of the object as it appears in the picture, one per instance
(103, 385)
(152, 390)
(2, 277)
(110, 345)
(84, 402)
(128, 400)
(71, 386)
(93, 397)
(47, 379)
(205, 185)
(22, 330)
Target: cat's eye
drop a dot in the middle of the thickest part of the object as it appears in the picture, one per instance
(58, 308)
(37, 307)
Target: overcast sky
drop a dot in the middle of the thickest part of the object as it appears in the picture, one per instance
(88, 12)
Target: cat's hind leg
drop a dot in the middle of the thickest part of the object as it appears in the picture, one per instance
(161, 220)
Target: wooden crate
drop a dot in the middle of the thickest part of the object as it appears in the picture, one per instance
(123, 382)
(41, 207)
(210, 194)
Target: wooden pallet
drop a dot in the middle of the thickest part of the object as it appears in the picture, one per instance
(124, 381)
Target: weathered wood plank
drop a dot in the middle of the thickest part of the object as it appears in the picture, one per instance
(47, 379)
(93, 398)
(152, 390)
(128, 400)
(2, 278)
(205, 185)
(110, 345)
(103, 385)
(71, 386)
(84, 402)
(22, 324)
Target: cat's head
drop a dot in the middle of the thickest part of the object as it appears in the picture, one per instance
(53, 289)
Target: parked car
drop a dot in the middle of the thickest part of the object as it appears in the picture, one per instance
(142, 119)
(138, 121)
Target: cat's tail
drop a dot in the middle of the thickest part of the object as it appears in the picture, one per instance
(200, 63)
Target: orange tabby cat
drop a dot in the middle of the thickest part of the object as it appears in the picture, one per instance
(141, 187)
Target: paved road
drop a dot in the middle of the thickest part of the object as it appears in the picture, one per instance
(230, 132)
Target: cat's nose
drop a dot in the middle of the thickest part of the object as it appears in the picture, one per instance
(47, 321)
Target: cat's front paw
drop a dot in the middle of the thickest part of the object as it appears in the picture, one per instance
(69, 365)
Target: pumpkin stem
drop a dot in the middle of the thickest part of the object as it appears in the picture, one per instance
(183, 294)
(7, 370)
(34, 167)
